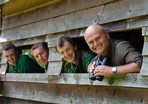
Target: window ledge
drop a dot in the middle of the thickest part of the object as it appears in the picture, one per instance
(21, 77)
(129, 80)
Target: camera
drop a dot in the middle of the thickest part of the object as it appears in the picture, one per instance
(99, 60)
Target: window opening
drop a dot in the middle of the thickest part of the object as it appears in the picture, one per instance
(133, 36)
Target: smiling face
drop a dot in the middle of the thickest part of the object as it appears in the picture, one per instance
(68, 52)
(10, 56)
(41, 55)
(97, 39)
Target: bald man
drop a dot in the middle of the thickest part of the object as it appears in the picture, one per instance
(122, 57)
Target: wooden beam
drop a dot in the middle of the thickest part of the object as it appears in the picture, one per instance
(16, 7)
(5, 100)
(54, 55)
(27, 41)
(145, 31)
(123, 25)
(3, 59)
(83, 79)
(129, 80)
(144, 69)
(3, 68)
(54, 68)
(3, 1)
(44, 13)
(66, 94)
(3, 65)
(145, 47)
(25, 77)
(102, 14)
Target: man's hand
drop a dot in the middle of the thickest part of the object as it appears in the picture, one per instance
(103, 70)
(91, 66)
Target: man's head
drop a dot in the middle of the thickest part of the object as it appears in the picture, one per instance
(97, 39)
(40, 52)
(67, 49)
(10, 52)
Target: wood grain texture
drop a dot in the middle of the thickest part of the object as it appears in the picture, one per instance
(145, 46)
(5, 100)
(51, 11)
(28, 77)
(73, 94)
(116, 11)
(129, 80)
(54, 68)
(144, 69)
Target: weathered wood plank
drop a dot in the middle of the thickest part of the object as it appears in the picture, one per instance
(138, 22)
(21, 77)
(144, 69)
(0, 91)
(3, 59)
(3, 1)
(111, 27)
(145, 31)
(5, 100)
(0, 17)
(54, 67)
(122, 10)
(29, 41)
(128, 8)
(3, 65)
(3, 68)
(16, 7)
(54, 55)
(129, 80)
(52, 39)
(145, 47)
(65, 7)
(77, 20)
(74, 94)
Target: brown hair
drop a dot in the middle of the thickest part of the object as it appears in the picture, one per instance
(42, 44)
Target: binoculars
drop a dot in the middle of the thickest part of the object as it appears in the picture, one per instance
(99, 60)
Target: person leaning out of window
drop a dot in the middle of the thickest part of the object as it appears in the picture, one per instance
(40, 52)
(75, 60)
(19, 63)
(123, 58)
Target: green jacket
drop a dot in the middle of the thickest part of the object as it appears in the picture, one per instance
(25, 64)
(83, 60)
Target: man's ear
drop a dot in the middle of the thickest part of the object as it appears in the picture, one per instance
(108, 37)
(75, 47)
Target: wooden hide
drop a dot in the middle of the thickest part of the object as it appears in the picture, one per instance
(46, 22)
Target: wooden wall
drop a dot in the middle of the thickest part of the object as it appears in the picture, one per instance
(73, 89)
(70, 18)
(5, 100)
(144, 70)
(73, 94)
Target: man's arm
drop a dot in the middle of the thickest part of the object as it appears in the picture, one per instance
(131, 58)
(123, 69)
